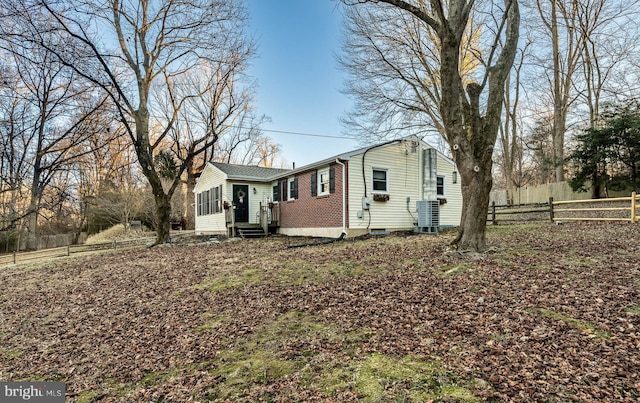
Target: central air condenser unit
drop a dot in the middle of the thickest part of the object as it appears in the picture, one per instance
(428, 216)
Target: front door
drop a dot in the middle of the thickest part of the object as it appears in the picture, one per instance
(241, 203)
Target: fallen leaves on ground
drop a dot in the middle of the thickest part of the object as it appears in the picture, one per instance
(550, 314)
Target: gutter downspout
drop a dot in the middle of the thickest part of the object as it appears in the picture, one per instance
(344, 198)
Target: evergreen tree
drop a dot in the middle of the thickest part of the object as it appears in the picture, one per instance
(609, 156)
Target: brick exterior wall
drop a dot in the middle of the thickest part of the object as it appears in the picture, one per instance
(309, 211)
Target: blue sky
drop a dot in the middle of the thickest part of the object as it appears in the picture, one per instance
(299, 80)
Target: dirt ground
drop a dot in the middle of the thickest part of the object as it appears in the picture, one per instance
(551, 313)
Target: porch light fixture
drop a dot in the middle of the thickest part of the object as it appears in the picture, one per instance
(255, 191)
(454, 176)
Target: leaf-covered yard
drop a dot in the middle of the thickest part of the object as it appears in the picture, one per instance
(551, 314)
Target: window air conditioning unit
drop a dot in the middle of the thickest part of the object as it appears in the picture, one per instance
(428, 216)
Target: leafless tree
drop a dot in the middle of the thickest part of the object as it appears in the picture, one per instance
(609, 37)
(157, 43)
(14, 158)
(222, 114)
(579, 45)
(56, 106)
(385, 43)
(510, 134)
(468, 110)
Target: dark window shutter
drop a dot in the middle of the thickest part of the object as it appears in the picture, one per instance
(285, 195)
(314, 184)
(294, 188)
(332, 179)
(199, 204)
(220, 199)
(276, 193)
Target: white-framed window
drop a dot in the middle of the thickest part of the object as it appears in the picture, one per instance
(216, 199)
(323, 182)
(293, 188)
(210, 201)
(207, 203)
(440, 185)
(380, 180)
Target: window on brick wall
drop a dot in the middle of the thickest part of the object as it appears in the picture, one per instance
(293, 188)
(323, 182)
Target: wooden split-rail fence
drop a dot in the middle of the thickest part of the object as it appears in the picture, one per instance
(52, 253)
(621, 209)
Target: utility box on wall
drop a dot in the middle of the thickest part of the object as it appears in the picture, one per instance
(428, 216)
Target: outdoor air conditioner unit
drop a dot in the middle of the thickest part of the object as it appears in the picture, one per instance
(428, 216)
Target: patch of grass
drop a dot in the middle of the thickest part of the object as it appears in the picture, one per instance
(112, 388)
(159, 377)
(243, 367)
(586, 327)
(288, 272)
(117, 233)
(11, 354)
(508, 229)
(88, 396)
(211, 322)
(241, 279)
(299, 272)
(382, 378)
(258, 359)
(633, 310)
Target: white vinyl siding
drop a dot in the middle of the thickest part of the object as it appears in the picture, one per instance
(216, 223)
(263, 194)
(450, 211)
(404, 180)
(206, 220)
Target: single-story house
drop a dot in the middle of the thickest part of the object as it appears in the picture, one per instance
(403, 184)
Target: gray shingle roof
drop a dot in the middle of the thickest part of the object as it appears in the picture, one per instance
(248, 172)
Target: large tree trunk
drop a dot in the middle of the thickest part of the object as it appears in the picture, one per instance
(163, 216)
(191, 185)
(476, 187)
(145, 158)
(34, 207)
(474, 164)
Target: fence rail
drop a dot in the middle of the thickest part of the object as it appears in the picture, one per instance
(624, 209)
(25, 257)
(518, 213)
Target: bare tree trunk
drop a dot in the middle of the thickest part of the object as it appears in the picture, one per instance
(476, 189)
(163, 215)
(558, 115)
(191, 185)
(471, 134)
(31, 221)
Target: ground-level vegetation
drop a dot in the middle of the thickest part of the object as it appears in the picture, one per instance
(551, 313)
